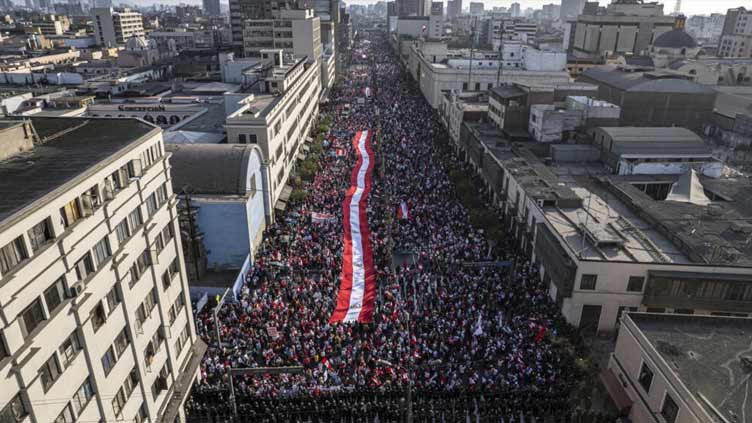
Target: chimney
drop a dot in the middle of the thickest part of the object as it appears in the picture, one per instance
(680, 22)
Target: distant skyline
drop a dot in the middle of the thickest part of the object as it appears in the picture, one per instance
(689, 7)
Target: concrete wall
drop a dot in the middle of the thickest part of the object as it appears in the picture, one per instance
(225, 225)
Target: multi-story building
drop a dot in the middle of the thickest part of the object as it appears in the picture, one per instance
(243, 10)
(51, 25)
(626, 219)
(476, 8)
(176, 40)
(211, 7)
(414, 7)
(436, 69)
(297, 32)
(454, 8)
(113, 27)
(437, 8)
(736, 37)
(679, 368)
(95, 304)
(515, 10)
(570, 9)
(279, 118)
(626, 27)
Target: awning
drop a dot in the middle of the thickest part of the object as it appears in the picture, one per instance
(615, 390)
(280, 205)
(286, 191)
(301, 156)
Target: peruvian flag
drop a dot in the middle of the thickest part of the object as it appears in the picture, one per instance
(327, 364)
(403, 211)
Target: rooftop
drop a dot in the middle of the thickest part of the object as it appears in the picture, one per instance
(707, 354)
(224, 168)
(68, 148)
(655, 140)
(643, 80)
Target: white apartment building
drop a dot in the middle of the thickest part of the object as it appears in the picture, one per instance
(294, 31)
(298, 32)
(736, 37)
(113, 27)
(680, 369)
(437, 69)
(95, 316)
(279, 117)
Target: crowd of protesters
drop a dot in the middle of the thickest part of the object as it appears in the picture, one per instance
(447, 327)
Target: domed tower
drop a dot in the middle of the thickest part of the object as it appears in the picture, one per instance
(674, 45)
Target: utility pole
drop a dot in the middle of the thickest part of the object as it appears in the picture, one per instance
(472, 46)
(216, 316)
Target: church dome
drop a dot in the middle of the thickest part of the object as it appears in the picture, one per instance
(135, 43)
(676, 38)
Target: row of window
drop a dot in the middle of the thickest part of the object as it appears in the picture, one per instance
(72, 409)
(634, 284)
(99, 314)
(115, 351)
(16, 251)
(124, 393)
(182, 340)
(670, 409)
(144, 309)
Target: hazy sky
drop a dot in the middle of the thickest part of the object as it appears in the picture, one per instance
(689, 7)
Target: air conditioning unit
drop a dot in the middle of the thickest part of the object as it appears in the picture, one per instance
(76, 289)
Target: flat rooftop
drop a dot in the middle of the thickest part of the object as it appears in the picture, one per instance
(69, 148)
(706, 353)
(604, 228)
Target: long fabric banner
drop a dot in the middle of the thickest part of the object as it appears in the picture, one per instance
(357, 291)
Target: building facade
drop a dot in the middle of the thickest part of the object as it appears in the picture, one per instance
(94, 295)
(736, 36)
(280, 119)
(113, 27)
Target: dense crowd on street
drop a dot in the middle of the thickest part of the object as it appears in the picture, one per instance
(463, 339)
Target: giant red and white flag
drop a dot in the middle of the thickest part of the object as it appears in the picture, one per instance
(357, 291)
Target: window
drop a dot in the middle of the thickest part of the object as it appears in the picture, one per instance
(82, 396)
(131, 382)
(159, 243)
(70, 213)
(477, 86)
(49, 372)
(53, 295)
(588, 282)
(140, 265)
(252, 139)
(464, 86)
(135, 219)
(14, 411)
(122, 231)
(167, 233)
(102, 251)
(180, 302)
(646, 377)
(151, 204)
(113, 299)
(684, 311)
(70, 348)
(66, 416)
(12, 254)
(161, 194)
(3, 348)
(670, 410)
(84, 267)
(241, 139)
(98, 317)
(121, 342)
(40, 233)
(141, 415)
(160, 383)
(182, 340)
(32, 316)
(108, 360)
(118, 402)
(635, 284)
